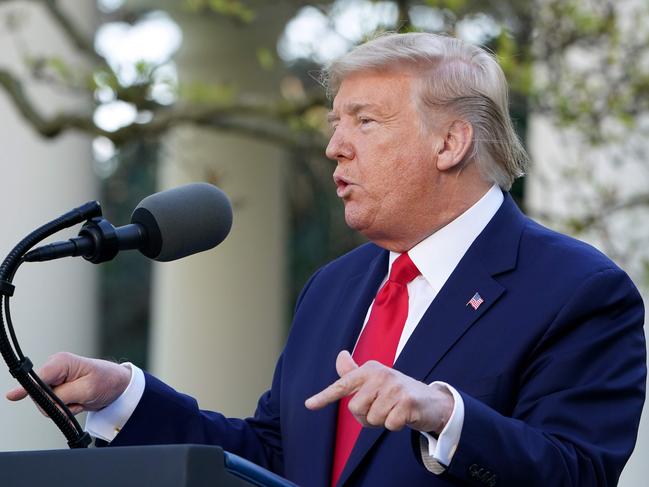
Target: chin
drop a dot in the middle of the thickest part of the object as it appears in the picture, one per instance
(356, 221)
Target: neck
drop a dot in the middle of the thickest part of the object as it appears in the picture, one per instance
(428, 221)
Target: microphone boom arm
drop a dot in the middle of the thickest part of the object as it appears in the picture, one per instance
(19, 365)
(98, 241)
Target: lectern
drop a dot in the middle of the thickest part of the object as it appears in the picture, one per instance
(134, 466)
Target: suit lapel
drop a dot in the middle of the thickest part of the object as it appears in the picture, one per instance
(356, 296)
(450, 316)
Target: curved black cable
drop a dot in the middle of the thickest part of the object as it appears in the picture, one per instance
(20, 366)
(10, 325)
(46, 388)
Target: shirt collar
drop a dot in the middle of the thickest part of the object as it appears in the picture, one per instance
(439, 254)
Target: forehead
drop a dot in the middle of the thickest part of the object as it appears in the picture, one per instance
(382, 90)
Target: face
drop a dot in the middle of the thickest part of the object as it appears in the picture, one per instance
(386, 170)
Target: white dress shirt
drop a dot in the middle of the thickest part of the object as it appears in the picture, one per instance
(436, 257)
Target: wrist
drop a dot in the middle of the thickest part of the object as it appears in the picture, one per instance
(445, 405)
(113, 379)
(125, 376)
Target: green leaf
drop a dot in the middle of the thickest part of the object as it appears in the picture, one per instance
(453, 5)
(229, 8)
(265, 58)
(60, 67)
(217, 94)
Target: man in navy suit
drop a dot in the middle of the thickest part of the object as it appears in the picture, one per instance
(519, 357)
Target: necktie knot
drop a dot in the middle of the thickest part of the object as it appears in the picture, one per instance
(403, 270)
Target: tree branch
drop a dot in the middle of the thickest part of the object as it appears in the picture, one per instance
(253, 118)
(310, 141)
(14, 89)
(591, 219)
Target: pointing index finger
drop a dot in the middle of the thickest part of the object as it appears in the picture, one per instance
(344, 386)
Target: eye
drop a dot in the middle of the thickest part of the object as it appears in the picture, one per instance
(333, 121)
(365, 120)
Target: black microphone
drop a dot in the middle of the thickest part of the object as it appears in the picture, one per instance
(165, 226)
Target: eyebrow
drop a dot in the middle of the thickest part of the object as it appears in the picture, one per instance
(332, 117)
(351, 108)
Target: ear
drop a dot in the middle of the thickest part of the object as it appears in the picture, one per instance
(457, 141)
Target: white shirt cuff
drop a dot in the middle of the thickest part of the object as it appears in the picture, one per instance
(107, 422)
(437, 453)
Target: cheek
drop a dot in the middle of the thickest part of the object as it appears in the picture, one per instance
(383, 159)
(397, 164)
(413, 179)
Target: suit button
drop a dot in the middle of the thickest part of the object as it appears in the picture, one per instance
(475, 471)
(482, 474)
(489, 478)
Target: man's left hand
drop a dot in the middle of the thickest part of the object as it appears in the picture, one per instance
(384, 397)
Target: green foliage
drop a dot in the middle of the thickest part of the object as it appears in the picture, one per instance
(315, 119)
(516, 64)
(208, 93)
(230, 8)
(456, 6)
(266, 58)
(60, 67)
(56, 71)
(584, 21)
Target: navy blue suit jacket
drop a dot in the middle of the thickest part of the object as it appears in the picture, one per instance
(551, 368)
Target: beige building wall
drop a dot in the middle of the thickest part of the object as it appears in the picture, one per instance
(55, 303)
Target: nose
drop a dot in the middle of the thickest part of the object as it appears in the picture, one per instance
(339, 147)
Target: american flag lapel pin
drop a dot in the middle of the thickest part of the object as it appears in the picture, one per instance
(475, 301)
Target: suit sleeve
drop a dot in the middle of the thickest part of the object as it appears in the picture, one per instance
(579, 399)
(165, 416)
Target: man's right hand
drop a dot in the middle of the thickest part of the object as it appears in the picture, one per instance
(83, 384)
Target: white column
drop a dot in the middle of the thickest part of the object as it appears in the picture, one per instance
(55, 303)
(219, 319)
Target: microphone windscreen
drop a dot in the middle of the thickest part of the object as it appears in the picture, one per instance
(183, 221)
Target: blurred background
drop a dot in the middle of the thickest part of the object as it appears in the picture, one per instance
(116, 99)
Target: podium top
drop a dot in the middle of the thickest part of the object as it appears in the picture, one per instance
(134, 466)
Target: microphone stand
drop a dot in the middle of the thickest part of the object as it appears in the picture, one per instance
(20, 367)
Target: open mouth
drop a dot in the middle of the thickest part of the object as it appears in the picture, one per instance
(341, 185)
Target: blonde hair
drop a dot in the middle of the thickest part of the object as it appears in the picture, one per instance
(457, 77)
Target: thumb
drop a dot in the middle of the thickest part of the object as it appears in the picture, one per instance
(345, 363)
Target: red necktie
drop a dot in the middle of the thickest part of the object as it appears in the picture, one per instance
(378, 341)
